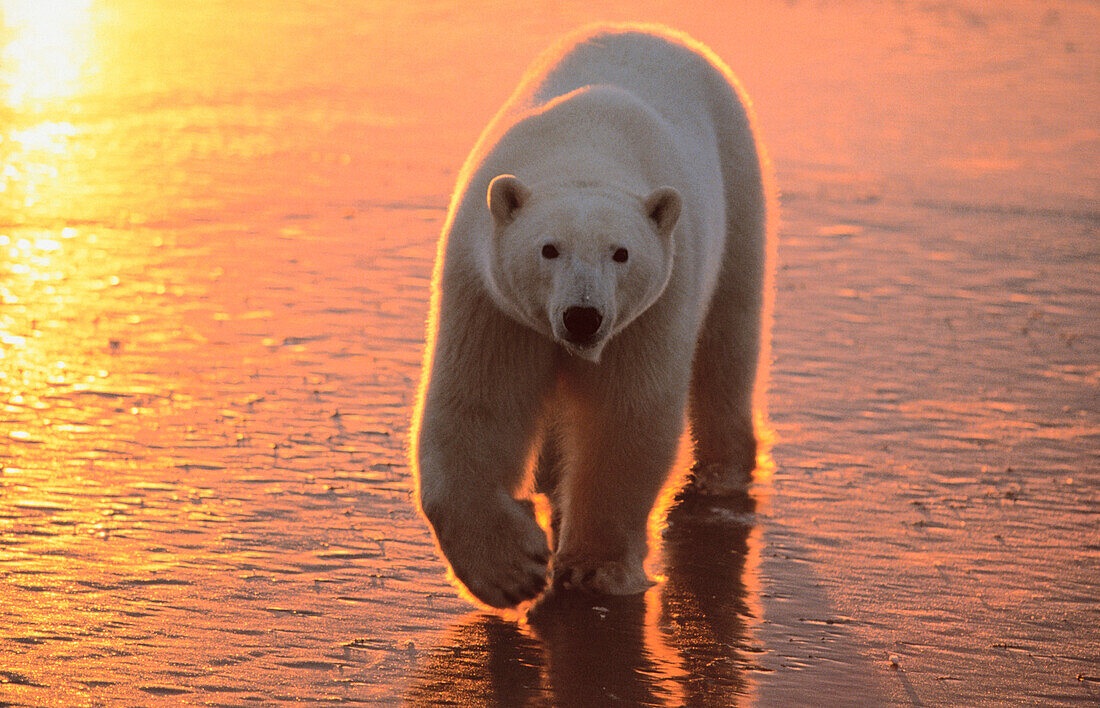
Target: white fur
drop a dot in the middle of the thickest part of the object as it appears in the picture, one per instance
(631, 138)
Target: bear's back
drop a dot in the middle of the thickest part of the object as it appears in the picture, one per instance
(671, 73)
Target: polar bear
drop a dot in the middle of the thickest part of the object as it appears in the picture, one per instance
(603, 268)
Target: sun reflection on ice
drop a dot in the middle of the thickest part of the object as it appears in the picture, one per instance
(46, 137)
(46, 58)
(46, 49)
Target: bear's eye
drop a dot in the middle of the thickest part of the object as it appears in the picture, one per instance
(548, 251)
(620, 255)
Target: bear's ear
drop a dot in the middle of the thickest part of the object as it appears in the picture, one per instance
(663, 207)
(506, 195)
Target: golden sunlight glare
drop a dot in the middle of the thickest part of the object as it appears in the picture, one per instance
(44, 53)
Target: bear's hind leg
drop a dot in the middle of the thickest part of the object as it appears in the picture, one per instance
(722, 387)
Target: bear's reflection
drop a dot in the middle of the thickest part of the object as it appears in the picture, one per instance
(685, 642)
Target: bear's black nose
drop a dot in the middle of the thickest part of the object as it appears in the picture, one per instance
(581, 323)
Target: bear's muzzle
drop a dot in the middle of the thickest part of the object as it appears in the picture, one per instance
(581, 324)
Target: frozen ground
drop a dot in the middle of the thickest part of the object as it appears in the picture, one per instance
(217, 221)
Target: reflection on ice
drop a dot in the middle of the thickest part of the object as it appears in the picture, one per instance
(687, 642)
(45, 56)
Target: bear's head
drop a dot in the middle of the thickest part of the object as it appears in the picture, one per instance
(579, 262)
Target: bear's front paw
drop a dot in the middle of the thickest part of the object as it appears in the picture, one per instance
(602, 577)
(498, 551)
